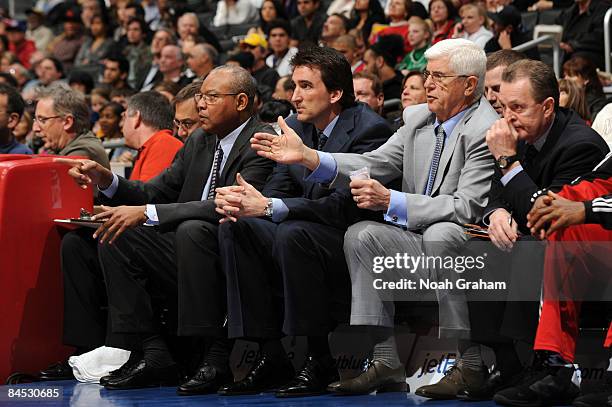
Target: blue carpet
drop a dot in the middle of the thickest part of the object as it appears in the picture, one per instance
(93, 395)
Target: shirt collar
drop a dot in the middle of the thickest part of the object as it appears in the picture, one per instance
(450, 124)
(330, 127)
(539, 143)
(228, 141)
(152, 139)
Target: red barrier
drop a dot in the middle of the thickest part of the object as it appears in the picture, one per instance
(33, 192)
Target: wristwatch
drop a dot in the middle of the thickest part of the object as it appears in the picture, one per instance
(505, 161)
(269, 208)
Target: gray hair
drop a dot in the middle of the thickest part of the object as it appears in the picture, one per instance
(67, 102)
(155, 109)
(464, 58)
(242, 81)
(209, 50)
(191, 15)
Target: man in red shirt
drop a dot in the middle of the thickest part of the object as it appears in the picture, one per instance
(18, 44)
(149, 131)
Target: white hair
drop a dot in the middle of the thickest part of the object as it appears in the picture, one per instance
(191, 15)
(464, 58)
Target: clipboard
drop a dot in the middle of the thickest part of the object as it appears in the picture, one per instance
(80, 222)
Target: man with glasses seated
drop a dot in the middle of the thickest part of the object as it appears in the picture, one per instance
(147, 128)
(175, 265)
(441, 156)
(62, 120)
(186, 118)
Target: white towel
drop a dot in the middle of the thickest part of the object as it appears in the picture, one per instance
(91, 366)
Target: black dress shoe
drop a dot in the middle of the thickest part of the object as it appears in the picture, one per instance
(599, 399)
(312, 379)
(134, 358)
(140, 375)
(546, 386)
(207, 380)
(57, 371)
(265, 375)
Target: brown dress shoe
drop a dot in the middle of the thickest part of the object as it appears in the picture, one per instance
(455, 380)
(377, 377)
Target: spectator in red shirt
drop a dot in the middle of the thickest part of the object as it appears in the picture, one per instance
(147, 127)
(18, 44)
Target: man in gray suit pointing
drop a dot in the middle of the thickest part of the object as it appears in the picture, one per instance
(445, 168)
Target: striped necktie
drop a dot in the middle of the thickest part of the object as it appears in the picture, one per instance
(322, 140)
(436, 159)
(215, 168)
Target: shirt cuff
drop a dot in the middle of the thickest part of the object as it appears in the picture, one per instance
(112, 188)
(152, 215)
(511, 174)
(398, 209)
(326, 171)
(279, 210)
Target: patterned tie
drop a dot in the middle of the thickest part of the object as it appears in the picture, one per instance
(322, 140)
(215, 167)
(435, 161)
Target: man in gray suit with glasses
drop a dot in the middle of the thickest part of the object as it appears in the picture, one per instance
(442, 159)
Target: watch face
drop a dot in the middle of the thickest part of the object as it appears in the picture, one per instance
(502, 162)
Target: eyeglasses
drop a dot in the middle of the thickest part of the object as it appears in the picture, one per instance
(43, 120)
(211, 98)
(438, 77)
(184, 124)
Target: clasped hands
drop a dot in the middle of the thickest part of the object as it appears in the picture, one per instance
(552, 212)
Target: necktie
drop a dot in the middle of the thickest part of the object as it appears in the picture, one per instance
(322, 140)
(435, 161)
(530, 154)
(215, 171)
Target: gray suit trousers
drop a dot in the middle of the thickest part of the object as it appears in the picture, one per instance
(366, 240)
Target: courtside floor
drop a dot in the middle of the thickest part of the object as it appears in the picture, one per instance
(93, 395)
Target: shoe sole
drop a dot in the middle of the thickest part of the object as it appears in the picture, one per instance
(388, 388)
(435, 396)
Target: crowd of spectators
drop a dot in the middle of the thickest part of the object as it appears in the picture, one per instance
(134, 84)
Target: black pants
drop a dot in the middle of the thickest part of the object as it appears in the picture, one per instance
(510, 319)
(85, 302)
(179, 270)
(289, 277)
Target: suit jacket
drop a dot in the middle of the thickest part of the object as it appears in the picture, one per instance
(177, 192)
(571, 149)
(464, 174)
(357, 130)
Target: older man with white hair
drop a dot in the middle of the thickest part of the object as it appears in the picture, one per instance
(445, 169)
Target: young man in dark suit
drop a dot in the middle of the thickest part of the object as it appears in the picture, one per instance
(150, 267)
(282, 248)
(536, 145)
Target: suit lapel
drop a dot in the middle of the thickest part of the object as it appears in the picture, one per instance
(240, 143)
(424, 144)
(203, 164)
(340, 134)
